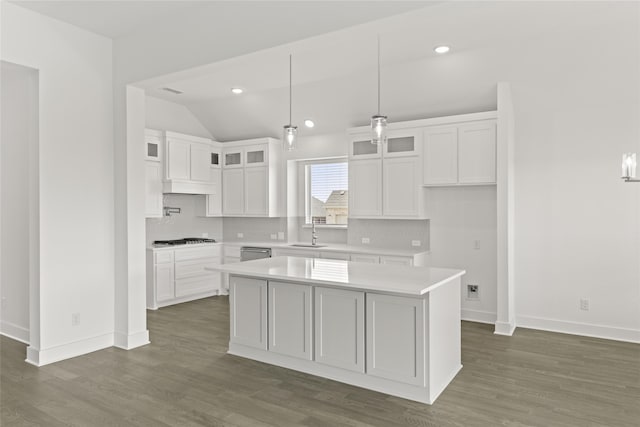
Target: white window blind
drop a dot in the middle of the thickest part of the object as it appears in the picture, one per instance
(327, 192)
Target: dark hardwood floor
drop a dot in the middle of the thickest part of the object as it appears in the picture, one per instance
(185, 378)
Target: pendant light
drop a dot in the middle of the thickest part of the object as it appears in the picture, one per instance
(629, 164)
(378, 121)
(290, 136)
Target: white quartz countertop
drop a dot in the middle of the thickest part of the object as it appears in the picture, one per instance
(404, 280)
(332, 247)
(172, 247)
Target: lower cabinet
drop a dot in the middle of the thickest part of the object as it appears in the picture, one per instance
(290, 319)
(248, 301)
(395, 338)
(164, 281)
(339, 328)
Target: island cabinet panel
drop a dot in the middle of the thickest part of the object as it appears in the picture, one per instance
(290, 319)
(248, 300)
(395, 338)
(339, 328)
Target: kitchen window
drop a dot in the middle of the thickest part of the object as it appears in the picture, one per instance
(326, 192)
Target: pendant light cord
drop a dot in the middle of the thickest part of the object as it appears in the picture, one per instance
(290, 90)
(378, 74)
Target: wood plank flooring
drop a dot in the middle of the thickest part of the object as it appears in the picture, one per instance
(185, 378)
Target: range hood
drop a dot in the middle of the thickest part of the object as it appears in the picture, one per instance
(174, 186)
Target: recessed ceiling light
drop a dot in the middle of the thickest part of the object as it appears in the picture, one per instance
(237, 90)
(442, 49)
(309, 123)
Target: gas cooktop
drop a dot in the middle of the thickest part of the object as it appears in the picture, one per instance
(185, 241)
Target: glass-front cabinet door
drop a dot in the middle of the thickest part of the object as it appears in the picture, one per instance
(215, 158)
(256, 155)
(360, 147)
(232, 158)
(403, 142)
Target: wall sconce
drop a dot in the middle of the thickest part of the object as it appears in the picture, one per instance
(629, 164)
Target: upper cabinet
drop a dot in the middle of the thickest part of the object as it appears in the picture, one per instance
(153, 140)
(188, 165)
(460, 154)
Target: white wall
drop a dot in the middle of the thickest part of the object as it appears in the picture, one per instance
(75, 179)
(165, 115)
(19, 93)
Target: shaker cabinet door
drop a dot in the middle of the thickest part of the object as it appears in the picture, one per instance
(290, 321)
(248, 299)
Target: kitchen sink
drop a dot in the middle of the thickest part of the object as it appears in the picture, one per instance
(307, 245)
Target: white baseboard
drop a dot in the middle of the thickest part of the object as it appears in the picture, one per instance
(505, 328)
(130, 341)
(67, 351)
(14, 332)
(575, 328)
(478, 316)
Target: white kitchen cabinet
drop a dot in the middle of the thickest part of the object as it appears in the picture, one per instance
(179, 274)
(477, 153)
(256, 155)
(441, 155)
(304, 253)
(232, 157)
(233, 191)
(290, 326)
(256, 191)
(395, 338)
(188, 164)
(360, 147)
(401, 187)
(248, 299)
(372, 259)
(339, 328)
(365, 188)
(402, 142)
(463, 154)
(153, 189)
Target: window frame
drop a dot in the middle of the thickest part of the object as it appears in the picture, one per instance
(305, 205)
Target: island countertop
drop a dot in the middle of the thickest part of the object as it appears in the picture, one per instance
(403, 280)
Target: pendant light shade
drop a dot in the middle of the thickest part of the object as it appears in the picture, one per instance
(378, 121)
(290, 134)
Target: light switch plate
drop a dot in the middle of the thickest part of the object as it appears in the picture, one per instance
(365, 241)
(416, 243)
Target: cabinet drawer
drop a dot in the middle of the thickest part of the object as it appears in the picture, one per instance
(197, 253)
(335, 255)
(396, 260)
(232, 251)
(194, 268)
(372, 259)
(197, 285)
(163, 257)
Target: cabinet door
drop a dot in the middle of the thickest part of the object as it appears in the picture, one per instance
(232, 158)
(153, 189)
(178, 163)
(165, 289)
(200, 162)
(256, 155)
(405, 142)
(290, 327)
(477, 153)
(396, 260)
(248, 307)
(256, 191)
(440, 156)
(197, 285)
(215, 158)
(339, 328)
(365, 188)
(233, 191)
(395, 338)
(401, 187)
(214, 201)
(152, 144)
(372, 259)
(360, 147)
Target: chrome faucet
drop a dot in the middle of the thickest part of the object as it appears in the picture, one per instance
(314, 235)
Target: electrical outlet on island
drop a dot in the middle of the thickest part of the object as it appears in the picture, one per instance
(365, 241)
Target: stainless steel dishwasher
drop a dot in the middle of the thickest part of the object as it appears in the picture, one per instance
(248, 253)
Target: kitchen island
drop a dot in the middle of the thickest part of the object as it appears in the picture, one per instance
(393, 329)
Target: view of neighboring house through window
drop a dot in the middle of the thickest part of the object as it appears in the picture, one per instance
(327, 192)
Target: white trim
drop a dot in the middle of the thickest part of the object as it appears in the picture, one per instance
(67, 351)
(434, 121)
(505, 328)
(14, 332)
(578, 328)
(478, 316)
(131, 341)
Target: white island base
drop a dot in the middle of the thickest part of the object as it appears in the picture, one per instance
(319, 317)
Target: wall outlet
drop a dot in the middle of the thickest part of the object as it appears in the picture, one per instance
(274, 236)
(365, 241)
(240, 235)
(75, 319)
(473, 291)
(205, 235)
(417, 243)
(584, 304)
(476, 244)
(280, 235)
